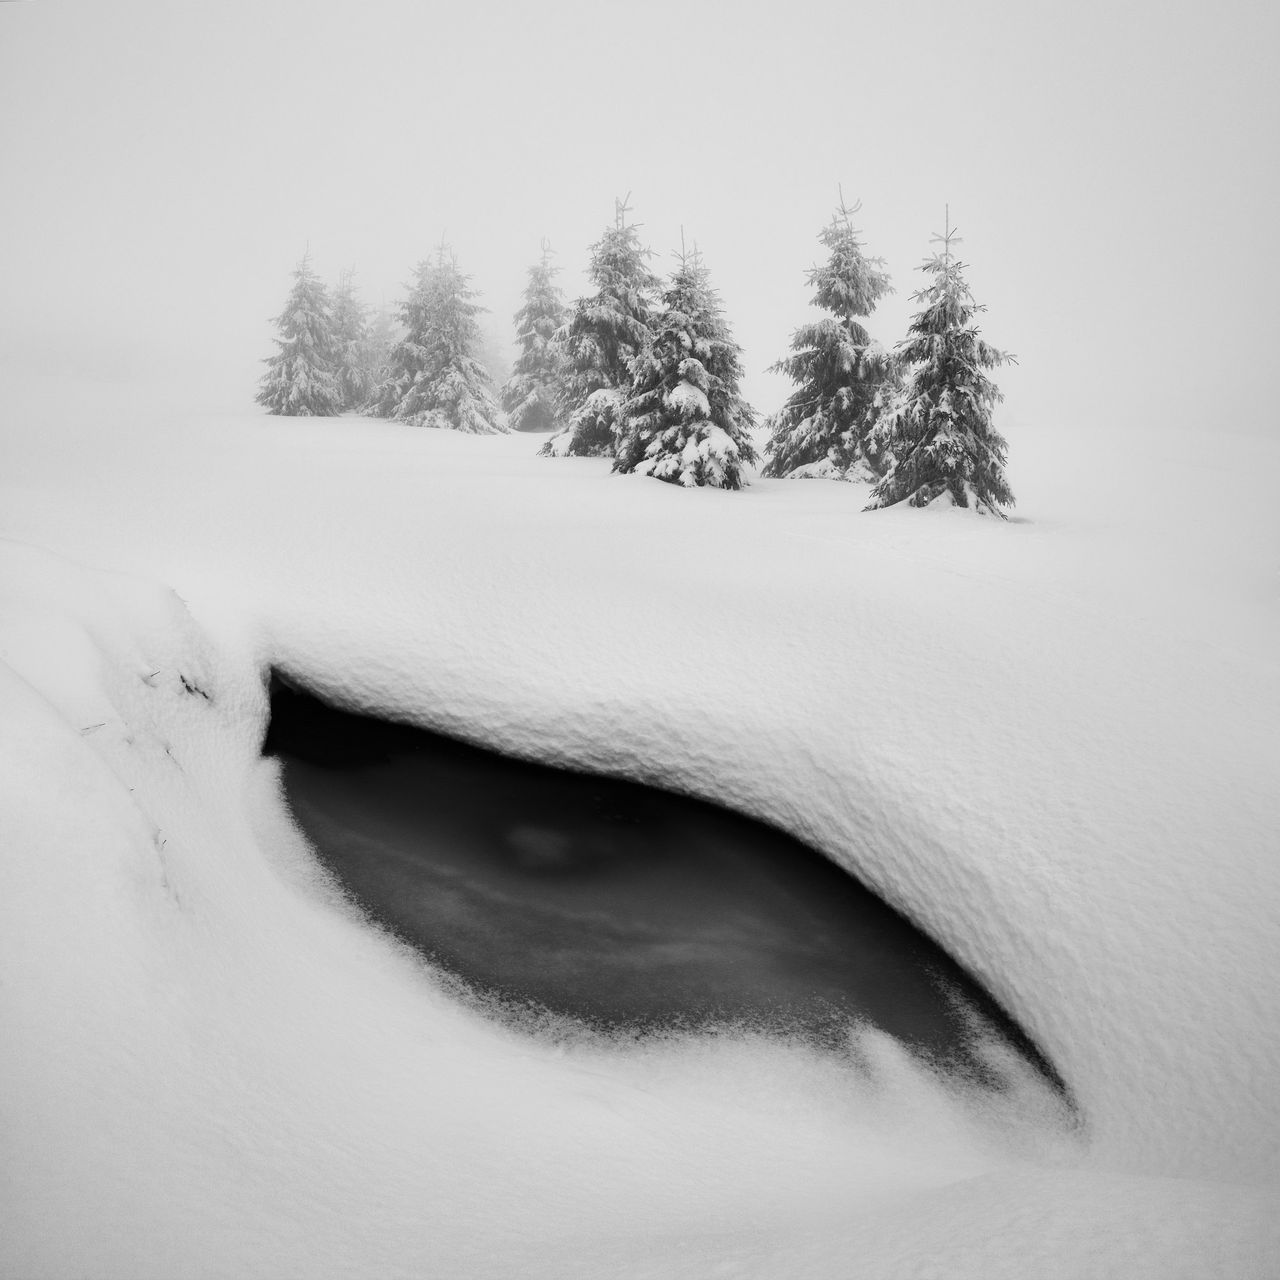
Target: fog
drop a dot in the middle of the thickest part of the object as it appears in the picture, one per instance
(1109, 169)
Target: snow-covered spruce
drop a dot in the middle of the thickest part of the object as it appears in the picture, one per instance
(433, 379)
(380, 339)
(935, 436)
(837, 368)
(531, 396)
(355, 373)
(685, 420)
(604, 333)
(301, 379)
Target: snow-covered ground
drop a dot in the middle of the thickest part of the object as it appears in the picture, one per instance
(1052, 742)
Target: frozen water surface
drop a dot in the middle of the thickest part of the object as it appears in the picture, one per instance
(617, 904)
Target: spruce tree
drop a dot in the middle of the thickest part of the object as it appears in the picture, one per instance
(936, 437)
(380, 340)
(837, 368)
(531, 395)
(351, 340)
(603, 335)
(433, 379)
(685, 420)
(301, 378)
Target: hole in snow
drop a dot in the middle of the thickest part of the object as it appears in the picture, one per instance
(613, 904)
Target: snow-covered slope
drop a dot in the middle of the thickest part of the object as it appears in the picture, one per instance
(1052, 742)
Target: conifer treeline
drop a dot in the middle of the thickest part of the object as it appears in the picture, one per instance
(649, 375)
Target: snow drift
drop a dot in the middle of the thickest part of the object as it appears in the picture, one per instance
(1051, 743)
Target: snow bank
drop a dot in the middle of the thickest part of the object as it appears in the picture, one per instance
(1053, 743)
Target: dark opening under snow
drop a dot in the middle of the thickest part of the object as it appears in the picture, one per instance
(613, 904)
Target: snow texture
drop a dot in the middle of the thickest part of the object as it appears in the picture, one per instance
(1052, 742)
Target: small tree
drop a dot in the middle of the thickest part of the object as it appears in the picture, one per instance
(380, 341)
(433, 378)
(531, 395)
(301, 379)
(603, 335)
(685, 420)
(351, 340)
(936, 436)
(837, 368)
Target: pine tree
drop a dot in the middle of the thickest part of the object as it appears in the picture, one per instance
(301, 378)
(837, 368)
(380, 340)
(351, 339)
(433, 378)
(603, 335)
(531, 395)
(936, 436)
(685, 420)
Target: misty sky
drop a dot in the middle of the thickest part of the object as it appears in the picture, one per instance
(1109, 167)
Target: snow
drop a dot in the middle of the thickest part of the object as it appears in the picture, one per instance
(1052, 742)
(689, 401)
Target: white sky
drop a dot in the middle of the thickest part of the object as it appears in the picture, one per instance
(1110, 168)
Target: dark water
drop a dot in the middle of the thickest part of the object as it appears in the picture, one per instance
(608, 901)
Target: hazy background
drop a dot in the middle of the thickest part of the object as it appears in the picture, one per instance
(1112, 171)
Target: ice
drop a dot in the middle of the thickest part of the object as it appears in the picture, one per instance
(1052, 742)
